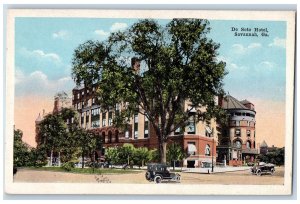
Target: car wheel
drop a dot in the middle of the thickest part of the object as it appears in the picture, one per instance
(157, 179)
(178, 177)
(272, 171)
(148, 176)
(258, 172)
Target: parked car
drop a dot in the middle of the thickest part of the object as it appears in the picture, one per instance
(160, 172)
(99, 164)
(263, 168)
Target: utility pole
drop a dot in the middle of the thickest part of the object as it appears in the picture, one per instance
(212, 157)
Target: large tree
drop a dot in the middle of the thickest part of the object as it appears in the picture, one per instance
(171, 64)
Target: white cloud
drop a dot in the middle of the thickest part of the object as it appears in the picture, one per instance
(62, 34)
(101, 33)
(38, 83)
(267, 65)
(241, 49)
(118, 26)
(40, 54)
(19, 75)
(278, 42)
(230, 66)
(254, 45)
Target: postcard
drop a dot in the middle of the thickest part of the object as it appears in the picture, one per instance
(149, 102)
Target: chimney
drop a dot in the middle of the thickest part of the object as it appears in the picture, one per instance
(220, 100)
(56, 105)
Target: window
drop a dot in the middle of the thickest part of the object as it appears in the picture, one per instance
(78, 106)
(82, 93)
(95, 124)
(82, 118)
(248, 144)
(207, 150)
(136, 125)
(191, 126)
(78, 96)
(82, 104)
(192, 148)
(126, 134)
(104, 119)
(238, 113)
(238, 144)
(248, 133)
(93, 101)
(87, 116)
(237, 123)
(110, 118)
(208, 131)
(146, 127)
(93, 88)
(237, 132)
(117, 111)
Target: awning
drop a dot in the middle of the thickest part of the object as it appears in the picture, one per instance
(209, 131)
(191, 148)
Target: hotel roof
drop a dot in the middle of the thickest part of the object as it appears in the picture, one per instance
(230, 102)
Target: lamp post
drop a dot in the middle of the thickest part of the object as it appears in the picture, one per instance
(212, 157)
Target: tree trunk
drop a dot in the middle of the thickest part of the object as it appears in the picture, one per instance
(59, 158)
(51, 157)
(163, 152)
(82, 160)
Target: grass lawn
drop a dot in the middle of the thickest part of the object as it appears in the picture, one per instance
(88, 170)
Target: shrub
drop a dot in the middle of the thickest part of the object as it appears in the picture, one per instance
(68, 166)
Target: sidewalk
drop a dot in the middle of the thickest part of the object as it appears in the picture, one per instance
(216, 169)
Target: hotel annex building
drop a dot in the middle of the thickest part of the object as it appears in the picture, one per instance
(203, 143)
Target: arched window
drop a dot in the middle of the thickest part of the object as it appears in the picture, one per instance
(238, 143)
(117, 135)
(207, 150)
(248, 144)
(103, 136)
(109, 137)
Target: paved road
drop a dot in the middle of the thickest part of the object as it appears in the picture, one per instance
(238, 177)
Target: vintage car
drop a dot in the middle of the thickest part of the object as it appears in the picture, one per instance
(159, 172)
(263, 168)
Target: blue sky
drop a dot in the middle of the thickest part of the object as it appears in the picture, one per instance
(44, 49)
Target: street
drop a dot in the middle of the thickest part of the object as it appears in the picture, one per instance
(232, 178)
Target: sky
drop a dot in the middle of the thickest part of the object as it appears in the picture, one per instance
(44, 48)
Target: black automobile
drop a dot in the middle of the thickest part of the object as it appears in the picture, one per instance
(263, 168)
(160, 172)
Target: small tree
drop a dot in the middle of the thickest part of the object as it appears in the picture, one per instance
(21, 150)
(174, 153)
(141, 156)
(112, 155)
(126, 153)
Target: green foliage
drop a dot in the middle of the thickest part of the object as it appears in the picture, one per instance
(276, 157)
(112, 155)
(126, 153)
(141, 156)
(68, 166)
(21, 150)
(70, 140)
(174, 153)
(178, 63)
